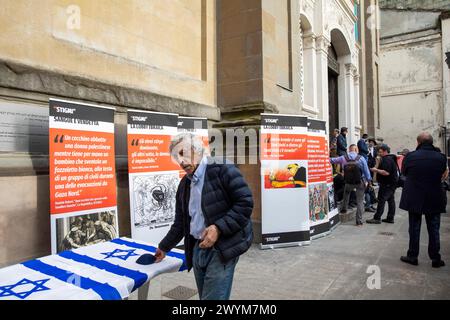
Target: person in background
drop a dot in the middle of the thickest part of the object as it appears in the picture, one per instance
(424, 169)
(333, 143)
(372, 153)
(356, 176)
(387, 177)
(333, 149)
(338, 185)
(401, 155)
(342, 142)
(370, 196)
(363, 147)
(445, 183)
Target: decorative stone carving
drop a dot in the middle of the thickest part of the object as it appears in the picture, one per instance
(338, 18)
(307, 8)
(351, 70)
(301, 69)
(309, 41)
(322, 43)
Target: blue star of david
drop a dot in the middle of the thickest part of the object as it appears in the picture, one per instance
(6, 291)
(121, 254)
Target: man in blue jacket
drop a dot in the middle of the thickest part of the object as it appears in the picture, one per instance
(361, 182)
(422, 194)
(213, 209)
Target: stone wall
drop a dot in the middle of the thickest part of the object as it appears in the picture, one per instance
(411, 78)
(415, 4)
(165, 47)
(151, 55)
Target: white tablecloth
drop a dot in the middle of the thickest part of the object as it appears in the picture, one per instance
(105, 271)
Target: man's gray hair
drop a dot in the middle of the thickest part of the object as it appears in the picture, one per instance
(425, 138)
(194, 141)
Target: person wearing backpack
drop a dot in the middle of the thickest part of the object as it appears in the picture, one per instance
(387, 176)
(356, 176)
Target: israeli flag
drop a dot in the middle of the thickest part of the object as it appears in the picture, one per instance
(104, 271)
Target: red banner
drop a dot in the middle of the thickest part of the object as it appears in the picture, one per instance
(284, 146)
(82, 174)
(318, 160)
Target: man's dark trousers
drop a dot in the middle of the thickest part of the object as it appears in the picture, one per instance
(386, 194)
(433, 223)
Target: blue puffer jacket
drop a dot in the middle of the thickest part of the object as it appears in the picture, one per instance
(226, 202)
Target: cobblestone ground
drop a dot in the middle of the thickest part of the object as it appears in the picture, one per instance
(335, 267)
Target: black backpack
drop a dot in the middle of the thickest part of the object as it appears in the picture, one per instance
(400, 179)
(352, 171)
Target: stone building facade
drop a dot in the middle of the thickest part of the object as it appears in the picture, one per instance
(414, 75)
(416, 4)
(227, 60)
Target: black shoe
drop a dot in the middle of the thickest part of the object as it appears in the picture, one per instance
(388, 220)
(409, 260)
(370, 210)
(343, 211)
(437, 263)
(373, 221)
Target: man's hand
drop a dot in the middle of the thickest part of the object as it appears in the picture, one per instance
(159, 255)
(209, 236)
(445, 175)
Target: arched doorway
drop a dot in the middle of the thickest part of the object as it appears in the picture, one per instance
(340, 83)
(333, 91)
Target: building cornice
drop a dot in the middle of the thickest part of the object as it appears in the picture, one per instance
(399, 41)
(350, 11)
(49, 83)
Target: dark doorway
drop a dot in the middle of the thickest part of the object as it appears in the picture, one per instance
(333, 102)
(333, 99)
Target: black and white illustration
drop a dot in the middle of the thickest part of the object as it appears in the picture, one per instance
(154, 199)
(86, 229)
(332, 205)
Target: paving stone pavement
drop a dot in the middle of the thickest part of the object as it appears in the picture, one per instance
(335, 267)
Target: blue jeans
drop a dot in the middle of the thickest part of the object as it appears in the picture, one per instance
(214, 278)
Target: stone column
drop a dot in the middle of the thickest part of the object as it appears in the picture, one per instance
(301, 70)
(310, 72)
(322, 45)
(347, 103)
(357, 106)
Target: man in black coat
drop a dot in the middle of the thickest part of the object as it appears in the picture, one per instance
(372, 153)
(424, 170)
(213, 209)
(342, 142)
(363, 147)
